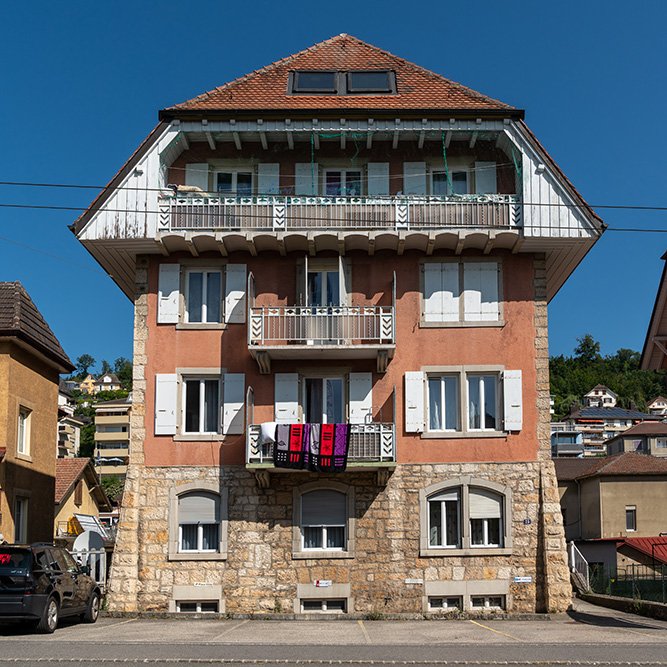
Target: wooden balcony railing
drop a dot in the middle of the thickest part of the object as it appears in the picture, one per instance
(283, 213)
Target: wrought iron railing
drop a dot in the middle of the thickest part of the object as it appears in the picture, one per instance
(372, 442)
(206, 212)
(579, 566)
(315, 325)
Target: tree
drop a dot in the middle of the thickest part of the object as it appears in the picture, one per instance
(106, 367)
(123, 369)
(113, 486)
(588, 348)
(83, 363)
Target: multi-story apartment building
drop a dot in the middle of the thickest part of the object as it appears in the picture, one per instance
(112, 437)
(340, 245)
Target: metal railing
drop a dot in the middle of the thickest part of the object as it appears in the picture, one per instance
(332, 325)
(579, 566)
(372, 442)
(187, 213)
(95, 560)
(638, 582)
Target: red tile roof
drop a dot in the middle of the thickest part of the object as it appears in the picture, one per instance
(628, 463)
(417, 88)
(68, 472)
(656, 547)
(643, 428)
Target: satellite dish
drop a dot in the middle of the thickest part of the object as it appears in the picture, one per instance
(87, 541)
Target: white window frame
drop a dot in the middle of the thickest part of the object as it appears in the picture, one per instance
(21, 509)
(661, 443)
(322, 528)
(464, 486)
(198, 604)
(304, 394)
(324, 606)
(464, 319)
(200, 539)
(343, 171)
(23, 431)
(205, 271)
(486, 600)
(202, 379)
(235, 172)
(298, 549)
(631, 512)
(495, 377)
(453, 170)
(445, 605)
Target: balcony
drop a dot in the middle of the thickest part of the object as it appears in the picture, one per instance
(371, 446)
(287, 213)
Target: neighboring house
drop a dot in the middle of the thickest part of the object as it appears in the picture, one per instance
(600, 397)
(567, 443)
(658, 406)
(87, 385)
(69, 434)
(339, 240)
(112, 436)
(617, 497)
(645, 438)
(31, 360)
(654, 353)
(600, 424)
(108, 382)
(78, 491)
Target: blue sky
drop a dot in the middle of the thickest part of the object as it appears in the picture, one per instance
(82, 83)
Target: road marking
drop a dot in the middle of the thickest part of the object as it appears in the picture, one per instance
(121, 623)
(363, 629)
(486, 627)
(228, 630)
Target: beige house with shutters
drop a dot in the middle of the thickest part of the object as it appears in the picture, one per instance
(341, 392)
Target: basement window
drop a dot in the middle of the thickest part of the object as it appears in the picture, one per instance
(336, 606)
(197, 607)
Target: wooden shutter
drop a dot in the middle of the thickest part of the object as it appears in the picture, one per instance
(235, 287)
(268, 178)
(414, 401)
(197, 174)
(414, 178)
(378, 179)
(233, 387)
(480, 285)
(361, 397)
(286, 401)
(168, 291)
(306, 179)
(512, 401)
(166, 385)
(441, 292)
(485, 178)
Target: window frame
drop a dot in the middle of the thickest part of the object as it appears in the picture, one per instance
(464, 485)
(343, 171)
(294, 76)
(202, 378)
(461, 321)
(201, 486)
(453, 170)
(390, 88)
(21, 526)
(234, 171)
(631, 513)
(298, 550)
(204, 271)
(23, 431)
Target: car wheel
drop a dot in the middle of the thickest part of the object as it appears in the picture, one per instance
(49, 620)
(93, 609)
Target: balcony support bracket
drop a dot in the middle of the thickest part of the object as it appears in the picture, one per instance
(263, 362)
(382, 361)
(262, 478)
(383, 477)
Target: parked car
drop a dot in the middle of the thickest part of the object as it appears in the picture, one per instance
(41, 583)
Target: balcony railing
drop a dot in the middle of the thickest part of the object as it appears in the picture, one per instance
(369, 443)
(332, 325)
(284, 213)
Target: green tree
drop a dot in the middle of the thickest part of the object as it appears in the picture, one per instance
(113, 486)
(106, 367)
(123, 370)
(588, 348)
(83, 363)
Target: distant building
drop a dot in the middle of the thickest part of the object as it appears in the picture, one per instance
(31, 360)
(87, 385)
(108, 382)
(566, 442)
(645, 438)
(600, 397)
(112, 436)
(657, 406)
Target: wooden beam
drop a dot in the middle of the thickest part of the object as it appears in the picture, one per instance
(430, 245)
(400, 247)
(281, 246)
(448, 138)
(191, 246)
(237, 140)
(369, 140)
(210, 139)
(490, 242)
(184, 139)
(460, 243)
(311, 244)
(422, 138)
(473, 140)
(517, 246)
(262, 138)
(371, 244)
(290, 141)
(395, 142)
(343, 139)
(341, 243)
(316, 141)
(163, 248)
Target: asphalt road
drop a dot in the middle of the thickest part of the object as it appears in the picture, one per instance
(588, 635)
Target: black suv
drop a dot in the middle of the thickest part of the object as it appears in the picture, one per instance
(39, 583)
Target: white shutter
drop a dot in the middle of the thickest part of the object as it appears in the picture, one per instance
(441, 292)
(166, 392)
(414, 401)
(197, 174)
(286, 400)
(233, 387)
(512, 401)
(235, 286)
(414, 178)
(484, 504)
(361, 397)
(168, 290)
(485, 178)
(268, 178)
(305, 179)
(378, 179)
(199, 507)
(480, 285)
(344, 281)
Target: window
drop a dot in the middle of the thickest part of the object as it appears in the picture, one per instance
(233, 182)
(324, 400)
(377, 81)
(201, 405)
(661, 443)
(444, 603)
(482, 402)
(197, 606)
(630, 518)
(461, 292)
(490, 603)
(203, 296)
(342, 182)
(23, 439)
(443, 403)
(323, 521)
(197, 524)
(441, 185)
(315, 82)
(326, 605)
(21, 521)
(355, 82)
(465, 516)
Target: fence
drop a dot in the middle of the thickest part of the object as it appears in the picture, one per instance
(638, 582)
(96, 560)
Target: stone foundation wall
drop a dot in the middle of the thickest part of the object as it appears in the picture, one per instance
(260, 574)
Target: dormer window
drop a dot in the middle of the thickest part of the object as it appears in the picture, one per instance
(315, 82)
(354, 82)
(369, 82)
